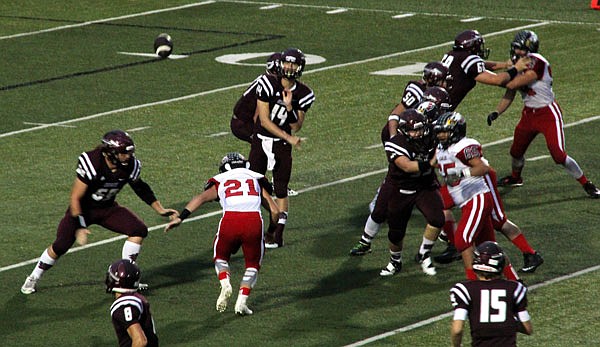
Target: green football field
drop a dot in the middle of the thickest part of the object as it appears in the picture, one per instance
(72, 70)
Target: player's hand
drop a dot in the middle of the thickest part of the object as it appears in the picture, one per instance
(492, 117)
(81, 236)
(171, 213)
(295, 141)
(173, 224)
(523, 63)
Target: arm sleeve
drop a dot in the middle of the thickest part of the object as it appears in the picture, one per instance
(143, 190)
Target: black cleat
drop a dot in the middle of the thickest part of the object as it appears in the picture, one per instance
(591, 190)
(510, 181)
(449, 255)
(361, 248)
(531, 261)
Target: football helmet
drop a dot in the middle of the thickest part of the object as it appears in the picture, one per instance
(163, 45)
(489, 257)
(411, 120)
(471, 41)
(273, 63)
(525, 40)
(294, 56)
(434, 74)
(117, 142)
(233, 160)
(438, 96)
(454, 123)
(429, 109)
(123, 276)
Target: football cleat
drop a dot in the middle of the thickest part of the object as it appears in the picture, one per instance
(163, 45)
(443, 237)
(29, 285)
(272, 245)
(391, 269)
(531, 261)
(449, 255)
(292, 192)
(426, 264)
(510, 181)
(224, 296)
(143, 286)
(241, 309)
(591, 190)
(361, 248)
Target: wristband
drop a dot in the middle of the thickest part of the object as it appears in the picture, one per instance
(394, 117)
(424, 166)
(184, 214)
(81, 221)
(512, 72)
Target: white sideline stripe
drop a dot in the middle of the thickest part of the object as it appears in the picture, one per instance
(300, 191)
(449, 314)
(472, 19)
(62, 27)
(271, 7)
(336, 11)
(405, 15)
(190, 96)
(539, 157)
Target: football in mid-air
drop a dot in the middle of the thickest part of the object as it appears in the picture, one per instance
(163, 45)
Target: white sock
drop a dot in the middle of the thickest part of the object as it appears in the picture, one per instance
(573, 168)
(372, 228)
(45, 263)
(131, 250)
(426, 246)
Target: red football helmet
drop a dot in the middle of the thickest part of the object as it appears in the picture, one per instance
(434, 74)
(117, 142)
(471, 41)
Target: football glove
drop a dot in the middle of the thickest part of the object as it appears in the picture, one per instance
(492, 117)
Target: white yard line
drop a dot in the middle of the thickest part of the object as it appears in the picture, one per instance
(190, 96)
(77, 25)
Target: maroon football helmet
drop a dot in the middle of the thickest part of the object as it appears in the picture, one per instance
(411, 119)
(117, 142)
(273, 63)
(471, 41)
(439, 96)
(489, 257)
(292, 55)
(123, 276)
(434, 74)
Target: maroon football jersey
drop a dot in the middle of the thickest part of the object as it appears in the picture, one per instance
(269, 89)
(493, 307)
(413, 93)
(423, 149)
(245, 107)
(129, 309)
(103, 184)
(463, 67)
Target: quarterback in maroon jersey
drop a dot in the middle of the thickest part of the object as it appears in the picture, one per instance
(282, 105)
(101, 174)
(496, 308)
(239, 190)
(541, 114)
(244, 111)
(130, 312)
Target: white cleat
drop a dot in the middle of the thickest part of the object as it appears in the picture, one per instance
(272, 245)
(241, 308)
(391, 269)
(226, 291)
(29, 285)
(142, 286)
(428, 267)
